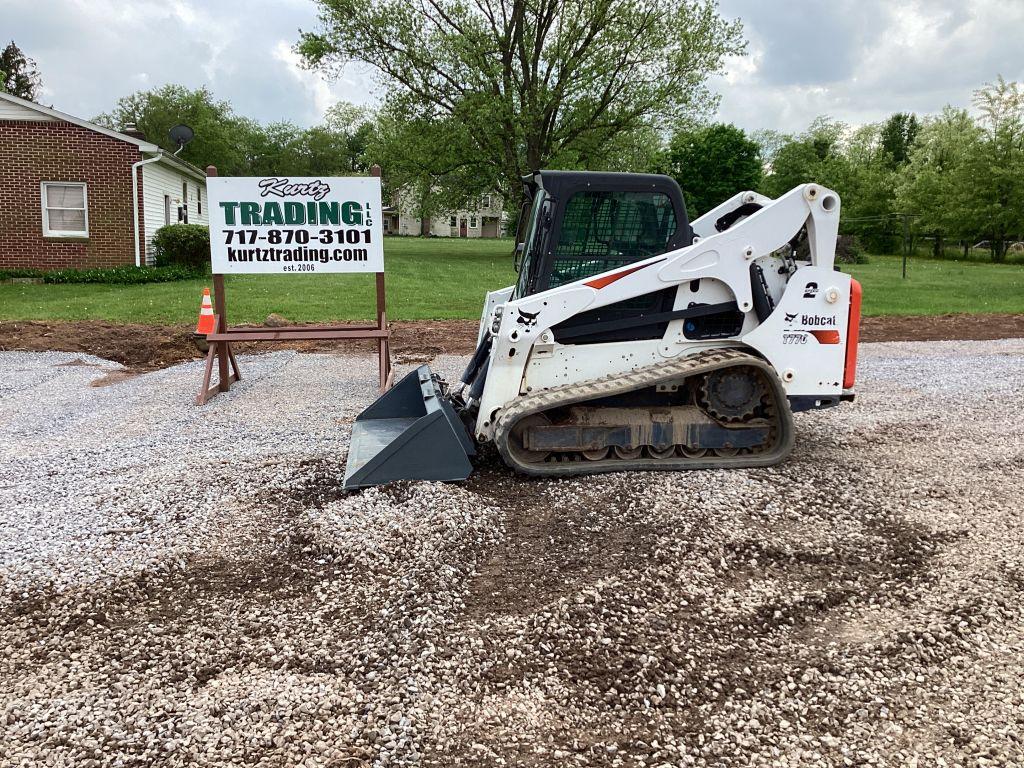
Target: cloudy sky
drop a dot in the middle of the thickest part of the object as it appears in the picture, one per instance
(856, 60)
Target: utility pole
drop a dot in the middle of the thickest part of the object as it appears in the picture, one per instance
(906, 242)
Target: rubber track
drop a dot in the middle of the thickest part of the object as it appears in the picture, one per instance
(691, 365)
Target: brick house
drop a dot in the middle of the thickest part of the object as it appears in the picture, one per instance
(75, 194)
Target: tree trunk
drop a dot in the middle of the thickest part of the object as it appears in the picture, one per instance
(967, 248)
(999, 250)
(937, 246)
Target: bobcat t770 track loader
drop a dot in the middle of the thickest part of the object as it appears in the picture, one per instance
(635, 340)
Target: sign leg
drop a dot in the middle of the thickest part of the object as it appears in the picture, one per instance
(219, 309)
(204, 390)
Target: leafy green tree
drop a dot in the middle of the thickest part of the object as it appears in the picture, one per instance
(992, 181)
(356, 125)
(336, 147)
(769, 143)
(221, 137)
(856, 164)
(815, 155)
(18, 73)
(549, 83)
(897, 136)
(866, 183)
(929, 184)
(712, 164)
(424, 159)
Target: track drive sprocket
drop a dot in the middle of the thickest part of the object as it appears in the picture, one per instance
(733, 394)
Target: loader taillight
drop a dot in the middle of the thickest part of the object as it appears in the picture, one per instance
(852, 335)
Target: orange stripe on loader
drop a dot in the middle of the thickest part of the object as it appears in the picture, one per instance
(601, 282)
(826, 337)
(852, 335)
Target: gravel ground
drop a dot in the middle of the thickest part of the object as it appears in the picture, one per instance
(188, 586)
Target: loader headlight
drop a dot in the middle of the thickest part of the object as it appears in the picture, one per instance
(496, 322)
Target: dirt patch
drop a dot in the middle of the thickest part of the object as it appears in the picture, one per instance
(942, 328)
(148, 347)
(549, 550)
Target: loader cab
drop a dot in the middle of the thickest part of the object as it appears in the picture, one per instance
(583, 223)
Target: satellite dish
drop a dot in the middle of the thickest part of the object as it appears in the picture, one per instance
(181, 135)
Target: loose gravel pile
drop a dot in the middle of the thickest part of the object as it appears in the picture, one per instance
(186, 586)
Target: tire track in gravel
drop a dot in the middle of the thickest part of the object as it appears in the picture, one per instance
(547, 551)
(545, 562)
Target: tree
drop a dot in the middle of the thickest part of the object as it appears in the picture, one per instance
(866, 183)
(18, 73)
(712, 164)
(424, 159)
(221, 137)
(856, 164)
(551, 83)
(355, 124)
(992, 183)
(337, 147)
(897, 136)
(815, 155)
(929, 184)
(769, 143)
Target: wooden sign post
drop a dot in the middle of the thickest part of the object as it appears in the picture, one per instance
(293, 206)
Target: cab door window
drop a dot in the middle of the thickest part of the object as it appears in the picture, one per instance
(605, 230)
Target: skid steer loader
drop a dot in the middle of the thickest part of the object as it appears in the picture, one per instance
(635, 340)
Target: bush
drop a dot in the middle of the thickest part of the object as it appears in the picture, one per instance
(850, 251)
(126, 275)
(185, 244)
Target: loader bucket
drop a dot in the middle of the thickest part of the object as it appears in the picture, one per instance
(409, 433)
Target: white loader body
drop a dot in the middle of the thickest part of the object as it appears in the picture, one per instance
(804, 339)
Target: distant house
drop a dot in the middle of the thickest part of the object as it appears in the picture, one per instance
(484, 218)
(75, 194)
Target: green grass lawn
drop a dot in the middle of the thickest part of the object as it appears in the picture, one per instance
(426, 279)
(938, 287)
(447, 278)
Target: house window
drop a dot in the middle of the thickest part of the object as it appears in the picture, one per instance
(453, 222)
(65, 210)
(199, 200)
(167, 210)
(472, 222)
(485, 201)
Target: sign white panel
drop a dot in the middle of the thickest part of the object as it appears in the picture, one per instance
(295, 225)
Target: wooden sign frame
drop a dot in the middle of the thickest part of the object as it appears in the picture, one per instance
(220, 340)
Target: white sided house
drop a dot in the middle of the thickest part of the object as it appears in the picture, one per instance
(76, 194)
(484, 218)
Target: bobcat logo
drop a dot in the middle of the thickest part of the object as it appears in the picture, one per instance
(790, 316)
(810, 290)
(529, 319)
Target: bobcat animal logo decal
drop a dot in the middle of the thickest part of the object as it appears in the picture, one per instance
(529, 319)
(790, 316)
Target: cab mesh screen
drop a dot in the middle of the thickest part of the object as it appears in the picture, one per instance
(605, 230)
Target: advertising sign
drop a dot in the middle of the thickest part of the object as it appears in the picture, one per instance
(296, 225)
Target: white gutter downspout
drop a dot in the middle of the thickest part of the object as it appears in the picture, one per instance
(135, 203)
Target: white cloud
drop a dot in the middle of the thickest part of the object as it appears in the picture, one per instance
(318, 89)
(856, 60)
(91, 52)
(861, 61)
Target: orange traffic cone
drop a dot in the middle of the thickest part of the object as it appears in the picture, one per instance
(206, 324)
